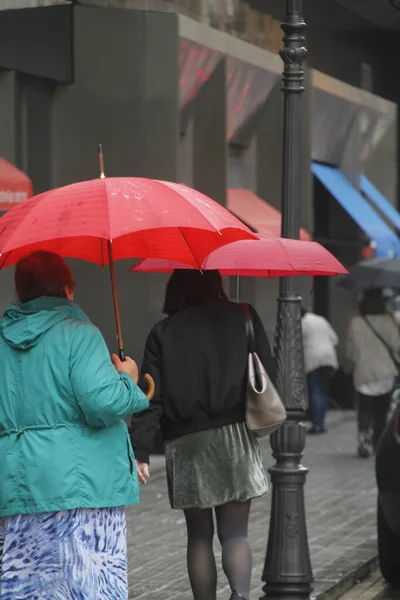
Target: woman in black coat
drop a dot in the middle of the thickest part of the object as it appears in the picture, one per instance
(198, 359)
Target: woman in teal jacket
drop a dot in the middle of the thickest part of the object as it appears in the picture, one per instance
(67, 468)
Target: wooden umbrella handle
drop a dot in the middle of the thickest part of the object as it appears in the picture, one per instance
(151, 387)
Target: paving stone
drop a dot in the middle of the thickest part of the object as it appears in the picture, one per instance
(373, 588)
(340, 505)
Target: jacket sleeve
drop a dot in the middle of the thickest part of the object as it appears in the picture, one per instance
(394, 342)
(263, 347)
(332, 334)
(144, 425)
(104, 395)
(350, 355)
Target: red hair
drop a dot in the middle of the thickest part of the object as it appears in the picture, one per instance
(42, 273)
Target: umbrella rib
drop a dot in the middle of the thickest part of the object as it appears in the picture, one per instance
(102, 252)
(190, 250)
(4, 259)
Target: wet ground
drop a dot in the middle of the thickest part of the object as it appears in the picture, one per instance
(373, 588)
(341, 514)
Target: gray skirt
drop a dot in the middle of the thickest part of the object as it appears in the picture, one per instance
(214, 467)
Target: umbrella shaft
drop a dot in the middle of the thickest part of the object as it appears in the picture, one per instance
(115, 300)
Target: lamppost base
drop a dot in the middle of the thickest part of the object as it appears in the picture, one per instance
(287, 573)
(294, 592)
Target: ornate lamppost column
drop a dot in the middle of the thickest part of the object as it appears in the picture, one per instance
(287, 571)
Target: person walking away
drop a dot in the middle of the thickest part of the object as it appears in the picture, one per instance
(66, 462)
(198, 359)
(320, 359)
(372, 356)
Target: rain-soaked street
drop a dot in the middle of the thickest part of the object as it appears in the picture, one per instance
(341, 510)
(373, 588)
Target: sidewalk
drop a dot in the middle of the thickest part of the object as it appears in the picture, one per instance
(340, 501)
(372, 588)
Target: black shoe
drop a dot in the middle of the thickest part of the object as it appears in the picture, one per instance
(363, 451)
(314, 431)
(236, 596)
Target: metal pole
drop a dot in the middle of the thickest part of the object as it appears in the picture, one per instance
(287, 571)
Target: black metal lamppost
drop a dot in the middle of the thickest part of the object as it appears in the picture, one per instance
(287, 571)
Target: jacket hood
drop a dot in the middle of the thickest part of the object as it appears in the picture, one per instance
(23, 325)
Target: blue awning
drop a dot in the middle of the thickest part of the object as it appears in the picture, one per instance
(380, 201)
(358, 208)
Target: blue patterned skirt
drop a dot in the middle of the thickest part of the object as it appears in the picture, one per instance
(76, 554)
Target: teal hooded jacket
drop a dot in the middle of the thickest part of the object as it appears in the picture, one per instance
(63, 441)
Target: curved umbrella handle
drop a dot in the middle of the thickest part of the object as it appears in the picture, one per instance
(151, 386)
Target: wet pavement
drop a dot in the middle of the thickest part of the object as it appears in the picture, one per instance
(373, 588)
(341, 506)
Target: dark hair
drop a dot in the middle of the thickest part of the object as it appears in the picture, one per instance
(42, 273)
(372, 303)
(192, 288)
(303, 310)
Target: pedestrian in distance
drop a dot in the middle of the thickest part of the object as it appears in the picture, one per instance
(66, 462)
(321, 363)
(197, 357)
(372, 357)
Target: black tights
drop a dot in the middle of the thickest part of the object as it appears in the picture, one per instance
(232, 524)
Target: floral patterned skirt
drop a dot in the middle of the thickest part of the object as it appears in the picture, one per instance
(76, 554)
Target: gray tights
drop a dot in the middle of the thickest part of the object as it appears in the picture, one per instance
(232, 525)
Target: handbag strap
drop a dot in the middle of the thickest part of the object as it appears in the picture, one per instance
(384, 342)
(250, 334)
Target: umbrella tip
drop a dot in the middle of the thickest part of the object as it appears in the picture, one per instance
(101, 161)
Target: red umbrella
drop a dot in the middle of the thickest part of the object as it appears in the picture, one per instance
(115, 218)
(135, 217)
(265, 257)
(15, 186)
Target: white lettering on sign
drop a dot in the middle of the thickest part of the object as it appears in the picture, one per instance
(10, 197)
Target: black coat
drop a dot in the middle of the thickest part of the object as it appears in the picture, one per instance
(198, 360)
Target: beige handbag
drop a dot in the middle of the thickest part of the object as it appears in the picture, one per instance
(265, 412)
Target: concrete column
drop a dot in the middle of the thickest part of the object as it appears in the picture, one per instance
(8, 116)
(123, 97)
(209, 137)
(126, 98)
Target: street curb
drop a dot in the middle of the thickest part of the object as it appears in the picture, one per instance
(346, 583)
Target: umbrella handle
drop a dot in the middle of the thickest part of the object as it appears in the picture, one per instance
(151, 386)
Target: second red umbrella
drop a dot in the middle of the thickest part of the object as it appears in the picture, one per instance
(264, 257)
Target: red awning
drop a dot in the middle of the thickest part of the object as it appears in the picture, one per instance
(257, 214)
(15, 186)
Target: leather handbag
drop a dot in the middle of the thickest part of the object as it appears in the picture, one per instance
(265, 412)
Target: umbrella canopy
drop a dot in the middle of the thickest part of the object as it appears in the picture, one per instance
(141, 217)
(376, 273)
(15, 186)
(265, 257)
(114, 218)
